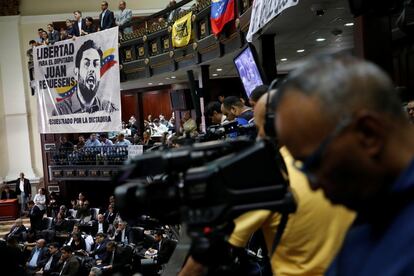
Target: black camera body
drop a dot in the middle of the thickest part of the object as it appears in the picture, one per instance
(206, 184)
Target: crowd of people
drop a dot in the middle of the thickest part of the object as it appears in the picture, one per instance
(79, 25)
(80, 240)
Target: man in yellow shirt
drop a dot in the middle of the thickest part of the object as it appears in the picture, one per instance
(313, 234)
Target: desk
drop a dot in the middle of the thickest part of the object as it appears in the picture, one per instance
(8, 209)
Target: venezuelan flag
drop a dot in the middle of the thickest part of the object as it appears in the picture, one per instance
(222, 12)
(108, 60)
(65, 92)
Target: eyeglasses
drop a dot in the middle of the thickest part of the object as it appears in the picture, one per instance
(314, 160)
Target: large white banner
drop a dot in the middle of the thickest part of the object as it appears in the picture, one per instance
(77, 83)
(265, 10)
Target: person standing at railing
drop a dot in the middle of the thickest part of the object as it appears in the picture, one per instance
(121, 141)
(105, 142)
(89, 26)
(79, 23)
(53, 35)
(123, 18)
(106, 18)
(172, 15)
(92, 141)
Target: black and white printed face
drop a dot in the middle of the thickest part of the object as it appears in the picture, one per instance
(89, 73)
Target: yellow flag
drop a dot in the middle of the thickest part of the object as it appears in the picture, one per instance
(181, 31)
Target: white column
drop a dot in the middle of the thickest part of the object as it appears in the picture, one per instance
(14, 107)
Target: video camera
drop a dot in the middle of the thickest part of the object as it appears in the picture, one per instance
(205, 184)
(229, 130)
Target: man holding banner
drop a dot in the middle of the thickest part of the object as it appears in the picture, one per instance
(87, 71)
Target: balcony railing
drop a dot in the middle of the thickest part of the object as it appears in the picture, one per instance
(102, 155)
(87, 163)
(149, 49)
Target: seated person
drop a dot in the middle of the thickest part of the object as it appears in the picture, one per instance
(165, 248)
(78, 243)
(159, 129)
(99, 249)
(188, 125)
(17, 231)
(117, 259)
(82, 210)
(15, 258)
(70, 264)
(53, 205)
(99, 226)
(52, 261)
(244, 114)
(147, 141)
(37, 258)
(7, 193)
(59, 223)
(87, 238)
(123, 233)
(110, 215)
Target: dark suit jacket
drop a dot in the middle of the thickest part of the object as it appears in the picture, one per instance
(91, 29)
(35, 216)
(54, 266)
(128, 233)
(18, 232)
(166, 250)
(101, 251)
(108, 20)
(41, 260)
(122, 257)
(71, 267)
(95, 224)
(75, 28)
(27, 187)
(53, 37)
(110, 217)
(12, 194)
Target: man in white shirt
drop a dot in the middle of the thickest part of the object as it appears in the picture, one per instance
(159, 129)
(24, 189)
(40, 200)
(123, 18)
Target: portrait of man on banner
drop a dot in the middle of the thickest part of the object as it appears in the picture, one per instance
(90, 65)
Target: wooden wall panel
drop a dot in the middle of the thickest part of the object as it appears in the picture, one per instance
(155, 103)
(129, 105)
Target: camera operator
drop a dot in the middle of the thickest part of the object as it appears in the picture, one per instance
(312, 235)
(242, 113)
(214, 113)
(361, 157)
